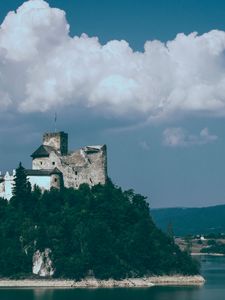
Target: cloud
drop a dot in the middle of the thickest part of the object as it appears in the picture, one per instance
(42, 67)
(179, 137)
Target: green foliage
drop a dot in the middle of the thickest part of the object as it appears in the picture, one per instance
(100, 230)
(214, 247)
(211, 242)
(13, 258)
(188, 240)
(209, 221)
(21, 190)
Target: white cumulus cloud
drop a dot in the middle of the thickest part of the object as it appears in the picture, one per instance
(43, 67)
(179, 137)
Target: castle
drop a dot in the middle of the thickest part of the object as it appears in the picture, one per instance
(53, 166)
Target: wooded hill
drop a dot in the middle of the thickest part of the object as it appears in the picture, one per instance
(185, 221)
(100, 230)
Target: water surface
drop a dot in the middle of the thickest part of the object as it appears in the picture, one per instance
(213, 269)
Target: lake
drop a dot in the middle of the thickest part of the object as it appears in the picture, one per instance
(213, 269)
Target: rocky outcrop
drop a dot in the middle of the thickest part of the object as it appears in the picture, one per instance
(42, 263)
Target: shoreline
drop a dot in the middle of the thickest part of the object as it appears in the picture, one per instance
(206, 254)
(196, 280)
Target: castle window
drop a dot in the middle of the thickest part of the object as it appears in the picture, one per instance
(55, 179)
(53, 163)
(91, 180)
(41, 162)
(75, 172)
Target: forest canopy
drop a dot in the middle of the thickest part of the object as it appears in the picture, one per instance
(101, 230)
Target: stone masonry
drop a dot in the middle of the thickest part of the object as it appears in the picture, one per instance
(54, 166)
(86, 165)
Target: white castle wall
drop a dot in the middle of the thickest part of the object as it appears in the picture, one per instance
(6, 187)
(44, 182)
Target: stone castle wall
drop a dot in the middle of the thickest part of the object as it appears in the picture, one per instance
(86, 165)
(53, 166)
(91, 169)
(81, 166)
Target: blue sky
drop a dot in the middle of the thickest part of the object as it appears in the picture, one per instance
(175, 160)
(134, 20)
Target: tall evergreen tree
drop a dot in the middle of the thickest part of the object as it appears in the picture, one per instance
(21, 189)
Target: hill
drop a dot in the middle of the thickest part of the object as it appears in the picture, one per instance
(100, 231)
(184, 221)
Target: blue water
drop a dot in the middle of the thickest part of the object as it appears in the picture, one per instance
(213, 269)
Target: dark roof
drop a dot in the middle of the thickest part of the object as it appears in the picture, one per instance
(47, 172)
(56, 171)
(42, 151)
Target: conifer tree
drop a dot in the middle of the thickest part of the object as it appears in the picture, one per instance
(22, 188)
(170, 231)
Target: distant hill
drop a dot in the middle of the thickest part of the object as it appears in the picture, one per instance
(186, 221)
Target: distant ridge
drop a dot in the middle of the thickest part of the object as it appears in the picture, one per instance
(203, 220)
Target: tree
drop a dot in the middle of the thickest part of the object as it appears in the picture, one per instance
(21, 189)
(170, 232)
(188, 240)
(98, 230)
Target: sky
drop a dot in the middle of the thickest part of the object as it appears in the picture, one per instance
(147, 78)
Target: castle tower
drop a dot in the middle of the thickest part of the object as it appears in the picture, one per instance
(57, 140)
